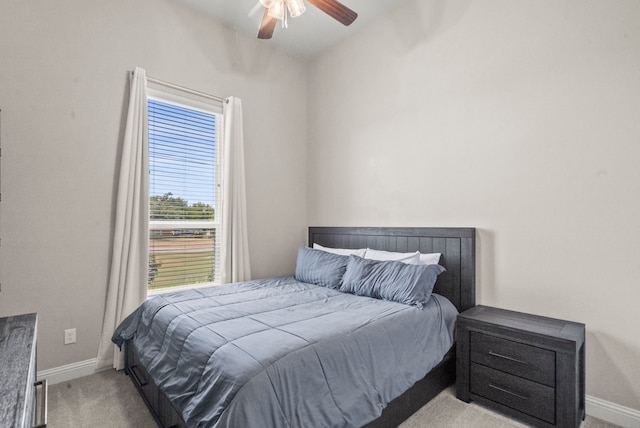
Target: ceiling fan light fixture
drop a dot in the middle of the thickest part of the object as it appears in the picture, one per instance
(296, 7)
(281, 10)
(267, 3)
(276, 10)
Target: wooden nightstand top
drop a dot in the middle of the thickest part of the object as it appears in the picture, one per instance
(552, 327)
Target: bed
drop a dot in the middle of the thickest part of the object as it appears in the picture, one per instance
(228, 385)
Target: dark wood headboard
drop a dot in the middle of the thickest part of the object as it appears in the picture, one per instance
(457, 245)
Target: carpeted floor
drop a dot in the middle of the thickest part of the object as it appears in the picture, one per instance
(105, 399)
(109, 399)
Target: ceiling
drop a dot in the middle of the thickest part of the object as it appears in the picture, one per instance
(307, 35)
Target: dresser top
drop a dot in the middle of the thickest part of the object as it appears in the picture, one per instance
(16, 320)
(17, 349)
(536, 324)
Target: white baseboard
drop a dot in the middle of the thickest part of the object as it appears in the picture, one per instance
(613, 413)
(69, 372)
(601, 409)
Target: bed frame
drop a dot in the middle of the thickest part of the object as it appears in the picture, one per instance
(457, 283)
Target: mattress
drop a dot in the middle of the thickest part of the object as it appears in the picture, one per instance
(282, 353)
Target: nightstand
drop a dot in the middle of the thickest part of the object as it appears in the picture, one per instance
(526, 366)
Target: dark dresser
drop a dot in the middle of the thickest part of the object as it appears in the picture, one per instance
(527, 366)
(18, 387)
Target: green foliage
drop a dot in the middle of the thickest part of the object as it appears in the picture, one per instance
(169, 207)
(154, 267)
(200, 210)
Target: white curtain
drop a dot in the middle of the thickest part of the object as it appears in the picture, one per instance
(127, 287)
(235, 264)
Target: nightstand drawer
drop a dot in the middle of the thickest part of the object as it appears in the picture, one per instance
(522, 360)
(523, 395)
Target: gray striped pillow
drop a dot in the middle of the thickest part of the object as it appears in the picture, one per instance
(320, 267)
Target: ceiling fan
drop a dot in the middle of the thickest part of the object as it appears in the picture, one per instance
(275, 10)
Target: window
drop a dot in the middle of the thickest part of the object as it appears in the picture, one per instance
(184, 228)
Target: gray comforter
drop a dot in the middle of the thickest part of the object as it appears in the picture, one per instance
(283, 353)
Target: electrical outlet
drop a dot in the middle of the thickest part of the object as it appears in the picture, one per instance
(70, 336)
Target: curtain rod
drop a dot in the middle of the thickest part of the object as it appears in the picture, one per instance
(182, 88)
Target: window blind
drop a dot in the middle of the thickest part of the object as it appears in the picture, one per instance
(183, 236)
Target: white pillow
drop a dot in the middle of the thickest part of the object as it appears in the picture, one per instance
(430, 258)
(409, 258)
(341, 251)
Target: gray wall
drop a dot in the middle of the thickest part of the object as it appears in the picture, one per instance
(63, 95)
(521, 118)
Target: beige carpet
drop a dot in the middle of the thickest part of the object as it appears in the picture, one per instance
(109, 399)
(105, 399)
(445, 410)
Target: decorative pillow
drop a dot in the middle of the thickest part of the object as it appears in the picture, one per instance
(430, 258)
(411, 258)
(342, 251)
(390, 280)
(320, 267)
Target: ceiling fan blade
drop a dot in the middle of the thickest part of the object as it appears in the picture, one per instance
(267, 26)
(336, 10)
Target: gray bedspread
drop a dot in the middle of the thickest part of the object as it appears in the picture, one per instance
(283, 353)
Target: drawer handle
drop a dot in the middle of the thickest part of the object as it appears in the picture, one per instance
(506, 391)
(515, 360)
(43, 408)
(135, 377)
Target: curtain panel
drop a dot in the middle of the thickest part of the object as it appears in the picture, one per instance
(235, 241)
(127, 286)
